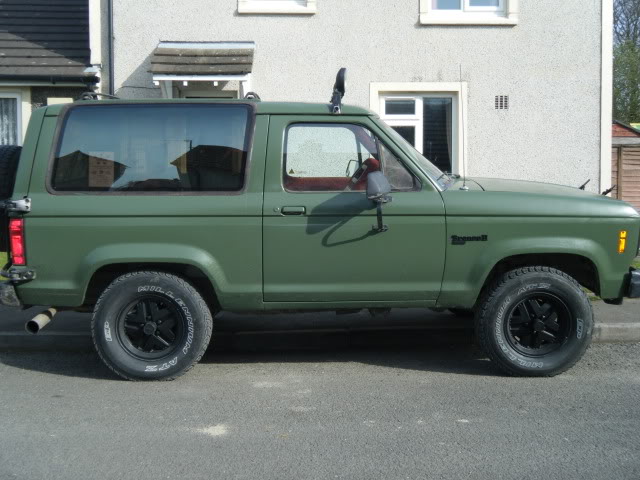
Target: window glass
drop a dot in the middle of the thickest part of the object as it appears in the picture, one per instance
(447, 4)
(407, 132)
(400, 107)
(484, 3)
(149, 148)
(325, 157)
(437, 133)
(8, 121)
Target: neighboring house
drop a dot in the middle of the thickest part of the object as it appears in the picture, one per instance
(625, 165)
(44, 59)
(486, 87)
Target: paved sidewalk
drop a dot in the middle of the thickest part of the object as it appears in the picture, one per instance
(71, 331)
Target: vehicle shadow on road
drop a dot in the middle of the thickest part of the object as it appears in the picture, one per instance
(409, 349)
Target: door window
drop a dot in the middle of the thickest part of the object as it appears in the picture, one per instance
(325, 157)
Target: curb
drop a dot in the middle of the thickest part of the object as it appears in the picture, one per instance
(81, 342)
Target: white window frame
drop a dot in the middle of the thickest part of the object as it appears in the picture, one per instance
(18, 97)
(506, 14)
(381, 91)
(287, 7)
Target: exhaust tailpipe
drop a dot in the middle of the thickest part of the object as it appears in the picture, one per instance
(40, 321)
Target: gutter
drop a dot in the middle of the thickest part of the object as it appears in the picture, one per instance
(110, 33)
(53, 79)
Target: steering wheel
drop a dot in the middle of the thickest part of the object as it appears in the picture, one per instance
(370, 165)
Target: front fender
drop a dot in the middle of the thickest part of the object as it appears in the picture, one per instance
(468, 265)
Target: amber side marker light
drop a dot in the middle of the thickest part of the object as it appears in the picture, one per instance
(622, 241)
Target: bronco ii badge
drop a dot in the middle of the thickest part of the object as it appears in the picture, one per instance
(456, 240)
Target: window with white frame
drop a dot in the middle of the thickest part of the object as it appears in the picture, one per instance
(277, 6)
(428, 121)
(10, 119)
(470, 12)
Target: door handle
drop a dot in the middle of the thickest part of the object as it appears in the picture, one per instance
(293, 210)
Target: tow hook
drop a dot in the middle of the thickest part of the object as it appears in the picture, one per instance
(40, 321)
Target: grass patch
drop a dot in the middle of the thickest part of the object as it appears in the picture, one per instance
(3, 259)
(636, 263)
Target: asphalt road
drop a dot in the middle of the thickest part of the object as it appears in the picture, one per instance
(368, 412)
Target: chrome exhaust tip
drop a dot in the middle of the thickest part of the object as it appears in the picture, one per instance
(40, 321)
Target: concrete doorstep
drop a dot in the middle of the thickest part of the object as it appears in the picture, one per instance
(402, 328)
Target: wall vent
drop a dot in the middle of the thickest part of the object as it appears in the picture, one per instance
(502, 102)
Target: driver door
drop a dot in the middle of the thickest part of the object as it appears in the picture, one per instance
(318, 239)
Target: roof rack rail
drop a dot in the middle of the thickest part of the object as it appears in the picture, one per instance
(96, 96)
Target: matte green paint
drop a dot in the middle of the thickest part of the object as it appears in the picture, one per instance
(257, 258)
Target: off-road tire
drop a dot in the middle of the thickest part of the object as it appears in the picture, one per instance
(9, 156)
(112, 323)
(500, 304)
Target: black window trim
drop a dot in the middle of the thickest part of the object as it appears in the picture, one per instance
(64, 115)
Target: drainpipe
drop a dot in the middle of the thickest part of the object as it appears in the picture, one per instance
(110, 33)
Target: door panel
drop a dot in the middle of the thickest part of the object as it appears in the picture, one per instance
(328, 250)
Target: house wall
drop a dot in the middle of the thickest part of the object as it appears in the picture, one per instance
(549, 64)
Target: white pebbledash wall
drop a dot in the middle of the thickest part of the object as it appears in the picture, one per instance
(549, 64)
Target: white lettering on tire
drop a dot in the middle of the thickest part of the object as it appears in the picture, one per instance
(107, 332)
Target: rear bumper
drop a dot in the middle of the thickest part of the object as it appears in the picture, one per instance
(633, 290)
(8, 295)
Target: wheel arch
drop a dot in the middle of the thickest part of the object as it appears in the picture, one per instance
(104, 275)
(581, 268)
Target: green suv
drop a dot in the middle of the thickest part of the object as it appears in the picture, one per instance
(158, 214)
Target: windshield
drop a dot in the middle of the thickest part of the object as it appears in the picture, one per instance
(442, 179)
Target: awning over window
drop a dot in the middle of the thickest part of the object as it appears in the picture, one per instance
(202, 62)
(203, 58)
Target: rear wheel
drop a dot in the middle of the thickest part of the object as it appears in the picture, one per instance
(9, 156)
(535, 321)
(151, 326)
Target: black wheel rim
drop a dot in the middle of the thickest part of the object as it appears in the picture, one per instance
(151, 327)
(539, 324)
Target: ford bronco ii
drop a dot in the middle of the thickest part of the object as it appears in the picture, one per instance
(157, 214)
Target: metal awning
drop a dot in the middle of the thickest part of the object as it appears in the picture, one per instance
(202, 62)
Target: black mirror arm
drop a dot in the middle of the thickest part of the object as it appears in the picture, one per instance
(381, 227)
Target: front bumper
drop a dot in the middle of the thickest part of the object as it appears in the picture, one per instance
(633, 290)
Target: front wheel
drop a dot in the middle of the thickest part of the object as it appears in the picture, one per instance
(151, 326)
(535, 321)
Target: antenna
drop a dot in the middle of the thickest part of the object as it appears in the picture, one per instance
(462, 153)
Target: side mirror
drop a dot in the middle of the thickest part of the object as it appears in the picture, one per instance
(378, 190)
(378, 187)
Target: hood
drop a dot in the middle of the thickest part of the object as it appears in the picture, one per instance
(517, 198)
(523, 186)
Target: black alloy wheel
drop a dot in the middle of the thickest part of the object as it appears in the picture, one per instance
(151, 327)
(538, 324)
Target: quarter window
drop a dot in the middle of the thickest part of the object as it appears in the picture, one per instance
(153, 148)
(327, 157)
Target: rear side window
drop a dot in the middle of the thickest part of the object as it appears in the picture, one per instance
(153, 148)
